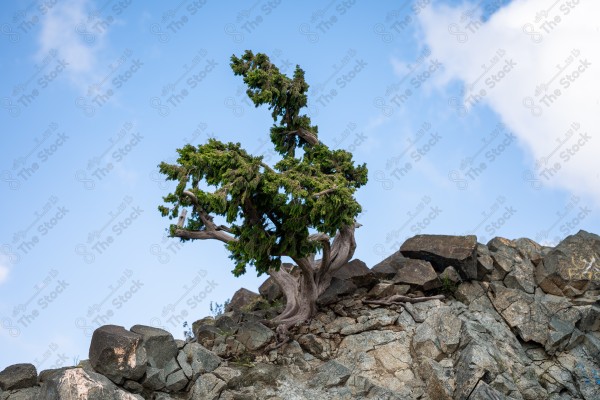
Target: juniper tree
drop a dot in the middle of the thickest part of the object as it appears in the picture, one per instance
(300, 207)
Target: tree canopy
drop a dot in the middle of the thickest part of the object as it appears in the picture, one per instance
(269, 211)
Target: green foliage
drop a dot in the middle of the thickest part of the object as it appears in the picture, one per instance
(273, 224)
(448, 286)
(244, 359)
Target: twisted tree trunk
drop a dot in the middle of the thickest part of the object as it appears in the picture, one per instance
(302, 291)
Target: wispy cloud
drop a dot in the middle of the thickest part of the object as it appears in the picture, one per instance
(68, 31)
(538, 68)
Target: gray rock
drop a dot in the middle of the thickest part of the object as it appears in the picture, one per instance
(30, 393)
(133, 386)
(201, 359)
(206, 334)
(154, 379)
(18, 376)
(521, 312)
(439, 380)
(176, 381)
(186, 365)
(498, 243)
(76, 383)
(225, 324)
(242, 298)
(159, 344)
(172, 365)
(572, 267)
(381, 290)
(521, 276)
(484, 392)
(260, 374)
(336, 289)
(530, 250)
(270, 290)
(419, 274)
(117, 353)
(357, 272)
(207, 387)
(254, 335)
(485, 267)
(450, 275)
(387, 268)
(330, 374)
(443, 250)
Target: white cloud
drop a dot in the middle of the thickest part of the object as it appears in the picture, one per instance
(69, 30)
(4, 270)
(505, 46)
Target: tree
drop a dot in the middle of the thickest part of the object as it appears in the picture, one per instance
(271, 211)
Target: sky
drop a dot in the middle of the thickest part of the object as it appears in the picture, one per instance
(474, 117)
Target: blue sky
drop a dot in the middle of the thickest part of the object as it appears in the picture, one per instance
(472, 117)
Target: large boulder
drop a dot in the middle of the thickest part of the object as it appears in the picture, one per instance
(240, 299)
(254, 335)
(159, 344)
(270, 290)
(76, 383)
(388, 268)
(419, 274)
(200, 359)
(117, 353)
(357, 272)
(443, 251)
(572, 267)
(336, 289)
(18, 376)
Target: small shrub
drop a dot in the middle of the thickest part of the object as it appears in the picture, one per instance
(218, 309)
(187, 333)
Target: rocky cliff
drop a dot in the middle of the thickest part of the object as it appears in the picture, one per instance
(512, 320)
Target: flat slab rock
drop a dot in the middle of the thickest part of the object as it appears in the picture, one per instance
(443, 251)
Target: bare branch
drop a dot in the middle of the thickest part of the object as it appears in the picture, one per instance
(333, 189)
(181, 219)
(305, 134)
(206, 219)
(205, 234)
(267, 167)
